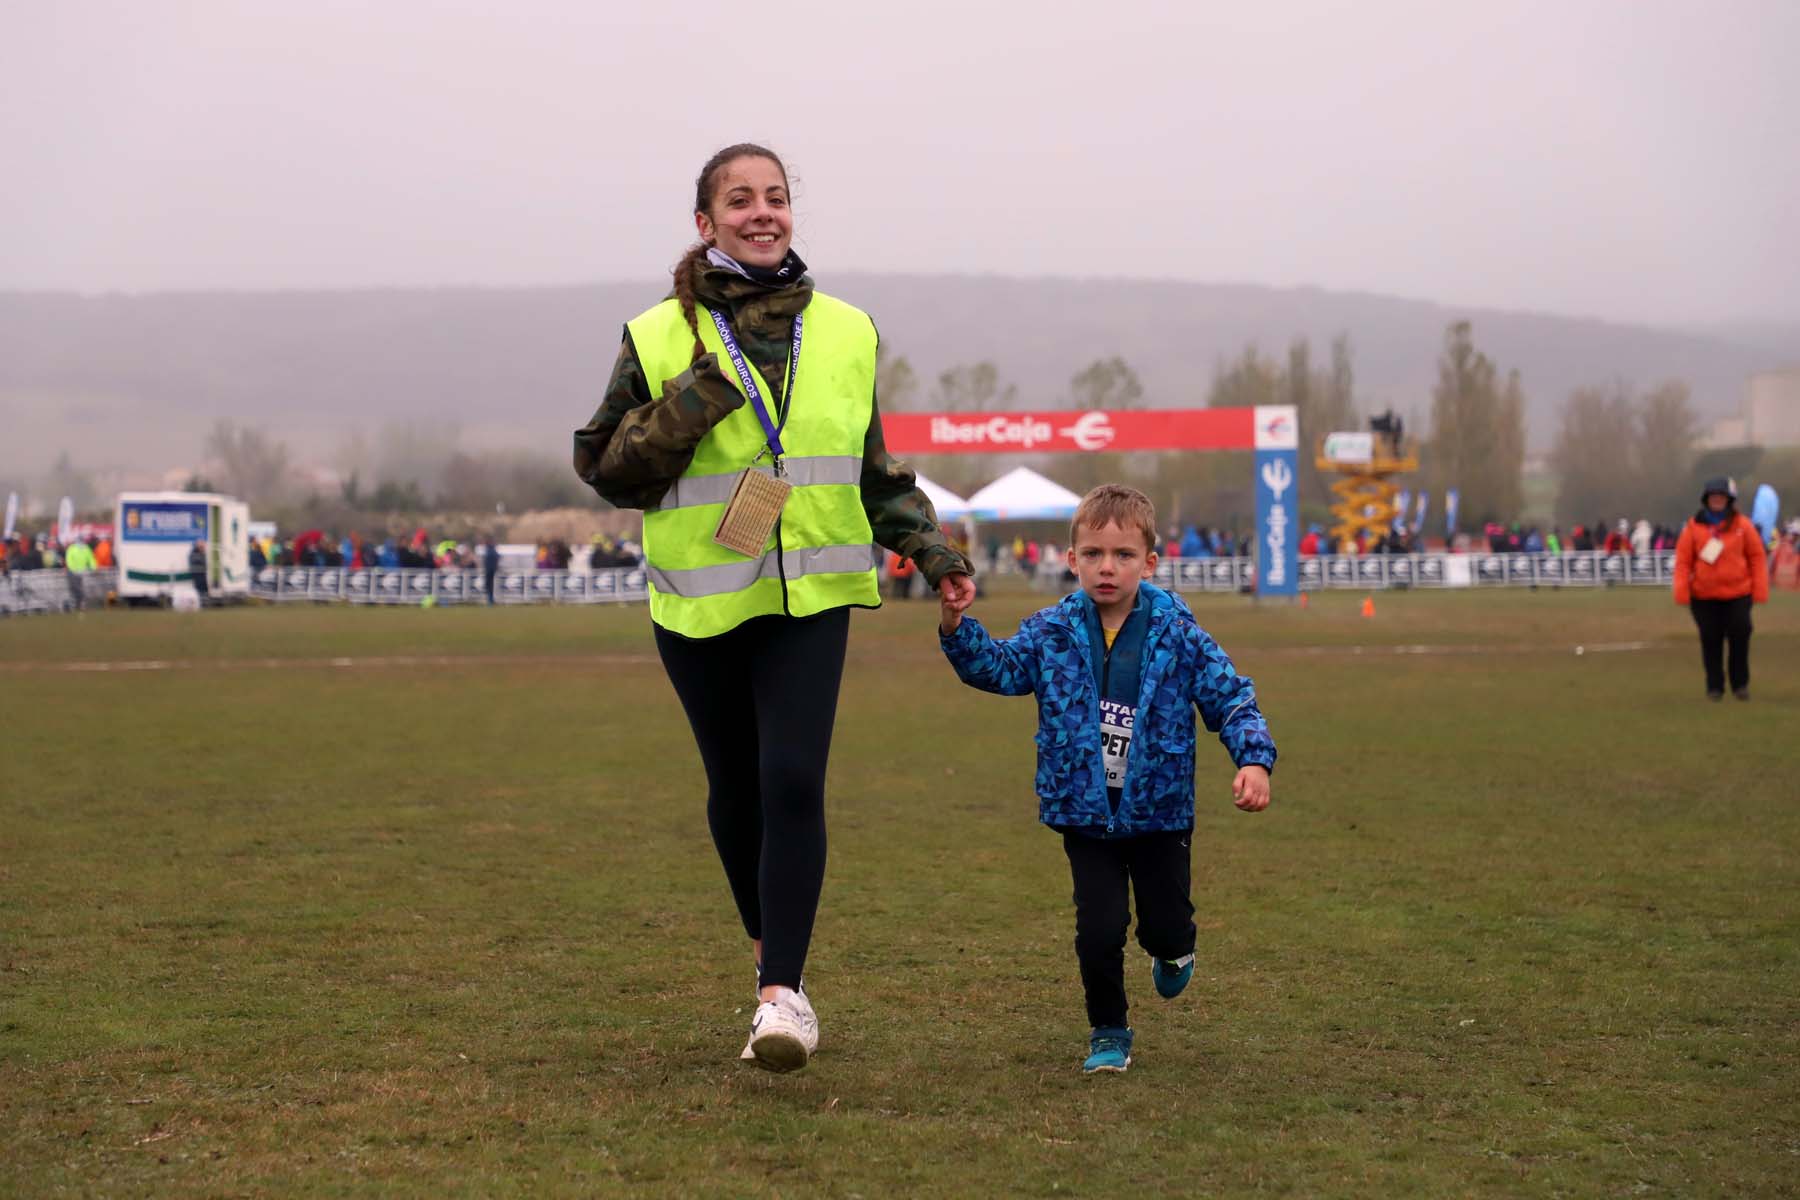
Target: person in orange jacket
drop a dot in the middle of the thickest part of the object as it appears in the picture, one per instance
(900, 575)
(1721, 569)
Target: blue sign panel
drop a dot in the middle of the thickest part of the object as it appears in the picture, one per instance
(1277, 511)
(164, 521)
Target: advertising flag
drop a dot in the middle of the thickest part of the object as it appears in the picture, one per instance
(1765, 510)
(1277, 500)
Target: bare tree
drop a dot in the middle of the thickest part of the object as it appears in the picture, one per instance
(974, 389)
(1593, 453)
(1477, 441)
(66, 479)
(1250, 380)
(896, 383)
(415, 452)
(251, 465)
(1106, 383)
(1665, 451)
(1621, 455)
(1323, 401)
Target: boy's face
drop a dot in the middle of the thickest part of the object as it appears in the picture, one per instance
(1111, 562)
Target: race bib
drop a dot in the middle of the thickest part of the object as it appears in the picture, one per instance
(1116, 720)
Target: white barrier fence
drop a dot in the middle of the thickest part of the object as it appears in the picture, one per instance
(399, 585)
(1379, 572)
(1582, 568)
(55, 590)
(59, 591)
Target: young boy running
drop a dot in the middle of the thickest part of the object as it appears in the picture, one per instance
(1117, 669)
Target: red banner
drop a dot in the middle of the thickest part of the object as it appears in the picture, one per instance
(1041, 432)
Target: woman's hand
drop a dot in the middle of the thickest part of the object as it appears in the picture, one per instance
(956, 592)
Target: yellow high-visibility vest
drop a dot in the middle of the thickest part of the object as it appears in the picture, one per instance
(822, 554)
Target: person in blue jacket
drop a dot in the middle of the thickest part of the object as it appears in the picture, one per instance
(1118, 668)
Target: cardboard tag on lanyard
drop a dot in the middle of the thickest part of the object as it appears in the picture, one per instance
(751, 513)
(1710, 552)
(757, 499)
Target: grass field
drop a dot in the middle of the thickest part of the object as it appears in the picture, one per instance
(329, 902)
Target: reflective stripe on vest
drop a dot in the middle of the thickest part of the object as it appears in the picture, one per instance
(826, 556)
(690, 490)
(735, 577)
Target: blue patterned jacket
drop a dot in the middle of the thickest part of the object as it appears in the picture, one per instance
(1054, 656)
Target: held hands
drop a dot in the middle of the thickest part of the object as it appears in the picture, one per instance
(956, 592)
(1250, 790)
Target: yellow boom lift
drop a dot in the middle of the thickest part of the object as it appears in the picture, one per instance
(1367, 464)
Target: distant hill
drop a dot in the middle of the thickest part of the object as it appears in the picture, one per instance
(1778, 338)
(136, 380)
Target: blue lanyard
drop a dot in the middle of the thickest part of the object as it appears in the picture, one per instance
(754, 393)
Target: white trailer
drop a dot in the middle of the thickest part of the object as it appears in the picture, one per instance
(155, 531)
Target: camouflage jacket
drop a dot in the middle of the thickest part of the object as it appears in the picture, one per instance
(637, 445)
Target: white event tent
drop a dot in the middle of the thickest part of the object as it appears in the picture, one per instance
(949, 505)
(1022, 495)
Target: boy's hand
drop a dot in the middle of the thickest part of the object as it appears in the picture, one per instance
(956, 592)
(1250, 790)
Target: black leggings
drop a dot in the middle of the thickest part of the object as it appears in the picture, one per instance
(761, 700)
(1154, 865)
(1724, 623)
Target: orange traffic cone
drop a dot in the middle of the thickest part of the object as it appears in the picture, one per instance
(1368, 608)
(1302, 599)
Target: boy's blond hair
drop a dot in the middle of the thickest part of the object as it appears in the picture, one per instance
(1115, 504)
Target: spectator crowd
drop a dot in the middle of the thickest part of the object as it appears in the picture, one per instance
(314, 548)
(44, 553)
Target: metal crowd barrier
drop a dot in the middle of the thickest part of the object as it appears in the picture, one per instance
(52, 591)
(399, 585)
(1582, 568)
(55, 590)
(1379, 572)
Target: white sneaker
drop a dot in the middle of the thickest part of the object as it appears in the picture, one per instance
(755, 998)
(784, 1033)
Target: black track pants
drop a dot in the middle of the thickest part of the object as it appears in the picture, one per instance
(1724, 623)
(1156, 866)
(761, 700)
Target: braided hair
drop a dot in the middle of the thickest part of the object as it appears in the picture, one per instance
(687, 269)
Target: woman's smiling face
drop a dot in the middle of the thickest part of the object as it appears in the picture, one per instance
(749, 218)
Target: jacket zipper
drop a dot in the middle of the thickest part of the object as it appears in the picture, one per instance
(1105, 678)
(1144, 659)
(781, 569)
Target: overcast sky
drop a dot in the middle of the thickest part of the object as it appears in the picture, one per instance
(1633, 160)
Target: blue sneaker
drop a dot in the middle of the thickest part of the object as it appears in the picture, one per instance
(1109, 1049)
(1171, 975)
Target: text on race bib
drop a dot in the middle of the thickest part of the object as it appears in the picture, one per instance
(1116, 721)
